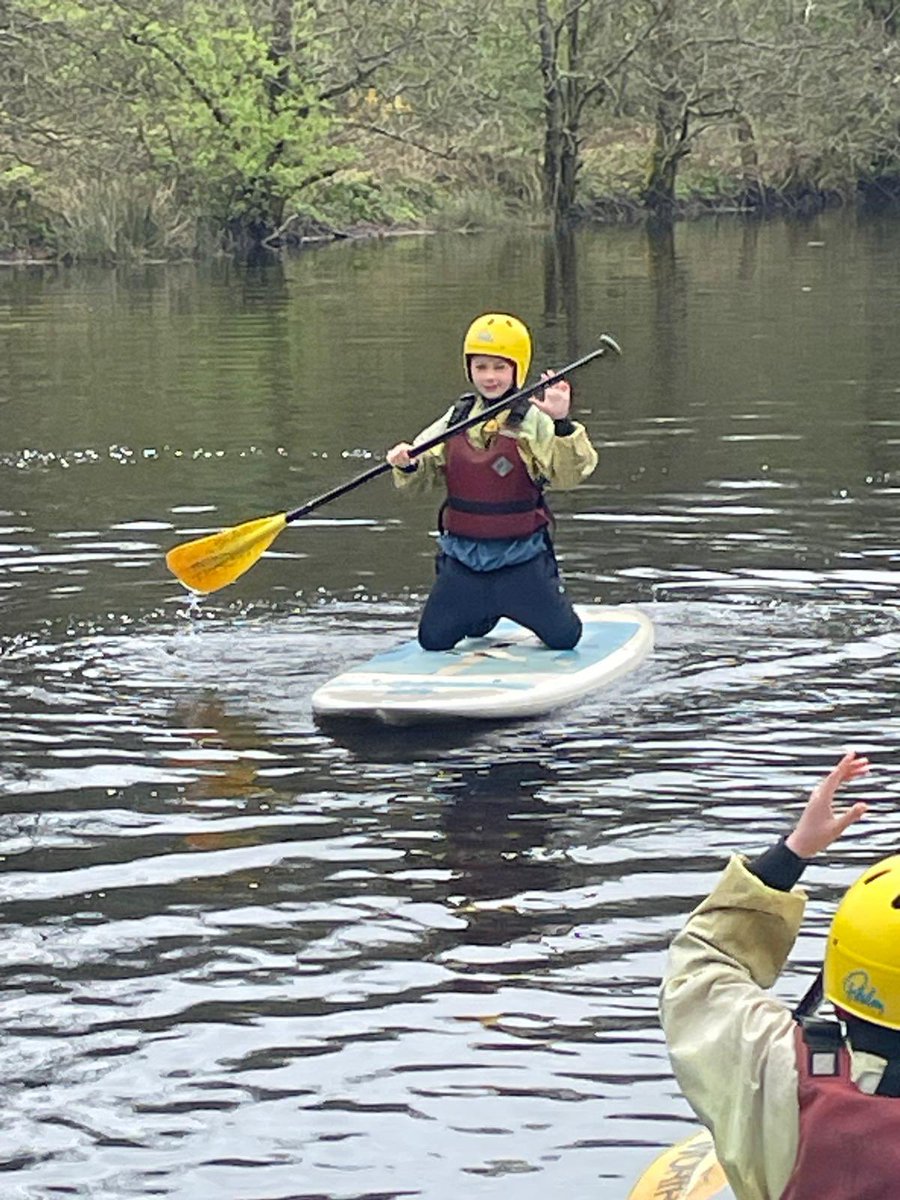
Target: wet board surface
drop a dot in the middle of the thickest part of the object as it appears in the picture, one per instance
(689, 1170)
(507, 674)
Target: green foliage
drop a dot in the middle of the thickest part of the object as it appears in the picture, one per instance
(164, 127)
(355, 198)
(193, 94)
(121, 220)
(470, 209)
(22, 221)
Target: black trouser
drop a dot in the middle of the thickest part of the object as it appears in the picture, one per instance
(468, 603)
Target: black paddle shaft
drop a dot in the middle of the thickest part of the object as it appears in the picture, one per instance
(607, 343)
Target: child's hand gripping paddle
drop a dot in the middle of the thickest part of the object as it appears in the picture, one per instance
(212, 562)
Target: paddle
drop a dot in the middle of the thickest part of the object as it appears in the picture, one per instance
(689, 1170)
(212, 562)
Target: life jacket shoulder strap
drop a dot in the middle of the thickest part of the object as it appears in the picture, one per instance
(461, 409)
(518, 411)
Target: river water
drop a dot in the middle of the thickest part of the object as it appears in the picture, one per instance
(246, 956)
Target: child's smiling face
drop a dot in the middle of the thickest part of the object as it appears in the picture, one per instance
(492, 376)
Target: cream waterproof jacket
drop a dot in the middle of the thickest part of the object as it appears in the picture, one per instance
(558, 462)
(731, 1045)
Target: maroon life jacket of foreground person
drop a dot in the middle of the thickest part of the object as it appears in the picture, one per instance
(849, 1145)
(489, 492)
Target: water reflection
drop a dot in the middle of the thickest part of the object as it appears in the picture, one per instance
(561, 293)
(497, 834)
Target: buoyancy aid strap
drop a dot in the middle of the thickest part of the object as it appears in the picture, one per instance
(811, 1000)
(517, 413)
(492, 508)
(461, 409)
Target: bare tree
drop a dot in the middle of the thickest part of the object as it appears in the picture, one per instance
(585, 47)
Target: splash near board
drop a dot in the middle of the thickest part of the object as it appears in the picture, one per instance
(507, 674)
(689, 1170)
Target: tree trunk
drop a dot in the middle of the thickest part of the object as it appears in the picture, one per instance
(670, 136)
(669, 147)
(751, 185)
(562, 149)
(552, 106)
(570, 159)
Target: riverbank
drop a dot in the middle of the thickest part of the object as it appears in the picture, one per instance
(135, 220)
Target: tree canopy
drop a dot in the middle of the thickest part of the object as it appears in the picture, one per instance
(166, 127)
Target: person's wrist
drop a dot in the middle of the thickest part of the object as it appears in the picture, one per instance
(799, 845)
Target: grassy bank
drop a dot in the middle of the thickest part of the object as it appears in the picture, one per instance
(134, 218)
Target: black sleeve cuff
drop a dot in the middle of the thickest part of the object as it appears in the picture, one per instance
(563, 427)
(778, 867)
(413, 466)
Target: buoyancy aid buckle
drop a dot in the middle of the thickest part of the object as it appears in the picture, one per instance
(823, 1040)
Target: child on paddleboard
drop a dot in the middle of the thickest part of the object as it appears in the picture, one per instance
(799, 1108)
(495, 554)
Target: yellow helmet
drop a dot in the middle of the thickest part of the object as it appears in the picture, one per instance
(862, 962)
(501, 335)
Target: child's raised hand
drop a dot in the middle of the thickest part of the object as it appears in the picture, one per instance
(555, 400)
(819, 824)
(398, 456)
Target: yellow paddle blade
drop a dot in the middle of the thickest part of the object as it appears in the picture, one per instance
(689, 1170)
(211, 562)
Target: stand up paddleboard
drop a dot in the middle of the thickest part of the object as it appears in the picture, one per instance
(689, 1170)
(509, 673)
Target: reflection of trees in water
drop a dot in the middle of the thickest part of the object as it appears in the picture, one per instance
(668, 380)
(561, 292)
(670, 287)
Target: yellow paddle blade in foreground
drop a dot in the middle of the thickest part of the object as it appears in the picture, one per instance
(211, 562)
(689, 1170)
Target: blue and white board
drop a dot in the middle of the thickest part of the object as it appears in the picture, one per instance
(509, 673)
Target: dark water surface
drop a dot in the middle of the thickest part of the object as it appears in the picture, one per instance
(246, 957)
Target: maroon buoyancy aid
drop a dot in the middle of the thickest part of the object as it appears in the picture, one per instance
(849, 1144)
(489, 492)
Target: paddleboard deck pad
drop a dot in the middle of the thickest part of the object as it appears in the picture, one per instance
(508, 674)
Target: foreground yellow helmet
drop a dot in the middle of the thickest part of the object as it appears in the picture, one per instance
(501, 335)
(862, 961)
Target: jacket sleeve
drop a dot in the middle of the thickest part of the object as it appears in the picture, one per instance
(732, 1045)
(563, 462)
(429, 466)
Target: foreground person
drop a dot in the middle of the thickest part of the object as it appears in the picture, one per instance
(496, 556)
(799, 1108)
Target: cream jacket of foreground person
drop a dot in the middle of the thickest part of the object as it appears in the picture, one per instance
(732, 1046)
